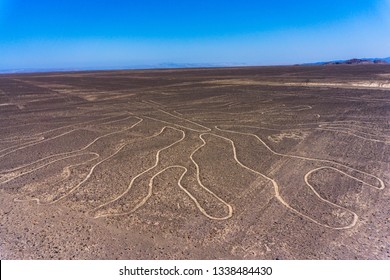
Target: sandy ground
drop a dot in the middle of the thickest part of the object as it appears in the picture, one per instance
(235, 163)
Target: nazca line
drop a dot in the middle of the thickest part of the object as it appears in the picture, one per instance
(43, 139)
(49, 163)
(382, 185)
(75, 151)
(276, 187)
(179, 183)
(150, 189)
(77, 186)
(180, 118)
(335, 123)
(88, 175)
(91, 170)
(281, 200)
(140, 174)
(353, 132)
(327, 127)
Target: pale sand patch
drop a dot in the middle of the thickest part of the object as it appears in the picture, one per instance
(385, 85)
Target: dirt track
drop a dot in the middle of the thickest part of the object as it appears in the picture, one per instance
(234, 163)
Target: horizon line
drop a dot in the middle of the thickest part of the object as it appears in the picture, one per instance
(165, 65)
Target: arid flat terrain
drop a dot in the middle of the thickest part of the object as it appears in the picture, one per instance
(230, 163)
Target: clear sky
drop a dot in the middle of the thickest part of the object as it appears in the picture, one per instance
(114, 33)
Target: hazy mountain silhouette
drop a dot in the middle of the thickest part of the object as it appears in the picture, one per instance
(353, 61)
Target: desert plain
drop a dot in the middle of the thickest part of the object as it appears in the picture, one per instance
(284, 162)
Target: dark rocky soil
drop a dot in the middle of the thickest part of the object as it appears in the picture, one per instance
(233, 163)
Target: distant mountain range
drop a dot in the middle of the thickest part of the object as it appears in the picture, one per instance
(353, 61)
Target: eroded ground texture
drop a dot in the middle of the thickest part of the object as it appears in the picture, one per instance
(240, 163)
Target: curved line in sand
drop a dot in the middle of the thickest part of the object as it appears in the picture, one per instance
(42, 140)
(84, 180)
(150, 192)
(337, 129)
(340, 125)
(353, 133)
(281, 200)
(157, 159)
(75, 151)
(49, 163)
(150, 189)
(79, 184)
(21, 138)
(230, 209)
(275, 185)
(328, 127)
(382, 185)
(26, 143)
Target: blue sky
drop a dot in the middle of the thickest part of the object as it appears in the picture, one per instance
(101, 34)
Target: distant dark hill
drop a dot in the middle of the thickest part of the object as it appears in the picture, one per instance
(354, 61)
(359, 61)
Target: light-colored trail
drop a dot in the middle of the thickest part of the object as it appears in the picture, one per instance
(279, 197)
(157, 159)
(79, 184)
(173, 124)
(49, 163)
(354, 133)
(230, 209)
(153, 103)
(85, 179)
(330, 127)
(274, 183)
(150, 192)
(184, 119)
(43, 139)
(35, 123)
(70, 125)
(150, 189)
(376, 85)
(381, 183)
(35, 141)
(343, 124)
(75, 151)
(331, 168)
(204, 128)
(20, 138)
(312, 125)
